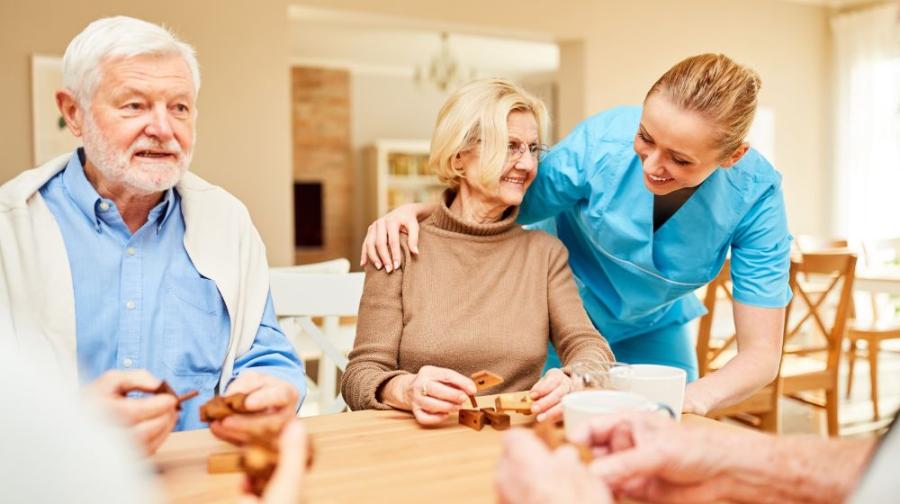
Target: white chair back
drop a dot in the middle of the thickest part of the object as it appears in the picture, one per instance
(299, 296)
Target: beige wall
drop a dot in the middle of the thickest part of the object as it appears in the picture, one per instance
(243, 139)
(626, 45)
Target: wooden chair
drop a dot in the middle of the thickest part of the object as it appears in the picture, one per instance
(300, 297)
(879, 324)
(762, 409)
(801, 373)
(805, 244)
(808, 244)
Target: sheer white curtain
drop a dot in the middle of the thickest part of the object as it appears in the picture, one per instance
(867, 134)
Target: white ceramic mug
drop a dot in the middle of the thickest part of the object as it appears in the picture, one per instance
(660, 384)
(579, 407)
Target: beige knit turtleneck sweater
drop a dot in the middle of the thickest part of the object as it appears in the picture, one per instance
(476, 297)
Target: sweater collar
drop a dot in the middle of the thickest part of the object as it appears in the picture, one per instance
(443, 218)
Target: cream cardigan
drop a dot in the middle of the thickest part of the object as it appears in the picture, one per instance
(37, 303)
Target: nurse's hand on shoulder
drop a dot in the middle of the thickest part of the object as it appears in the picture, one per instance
(272, 399)
(528, 472)
(150, 418)
(547, 394)
(431, 395)
(382, 244)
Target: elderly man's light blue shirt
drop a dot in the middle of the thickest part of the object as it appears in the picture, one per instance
(141, 304)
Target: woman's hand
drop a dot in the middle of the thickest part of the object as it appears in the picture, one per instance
(759, 339)
(548, 393)
(382, 243)
(432, 394)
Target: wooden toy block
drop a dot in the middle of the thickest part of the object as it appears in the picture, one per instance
(220, 407)
(485, 380)
(165, 388)
(498, 421)
(552, 434)
(259, 463)
(236, 402)
(218, 463)
(519, 403)
(473, 419)
(187, 396)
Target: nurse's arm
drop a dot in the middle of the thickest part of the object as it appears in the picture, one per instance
(382, 244)
(759, 339)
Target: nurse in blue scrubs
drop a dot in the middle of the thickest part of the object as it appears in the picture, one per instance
(650, 201)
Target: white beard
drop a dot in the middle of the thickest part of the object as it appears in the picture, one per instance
(125, 169)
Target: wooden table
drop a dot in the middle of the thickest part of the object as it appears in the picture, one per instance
(363, 456)
(878, 281)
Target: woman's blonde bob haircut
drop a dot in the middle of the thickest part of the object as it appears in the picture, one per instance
(477, 114)
(718, 88)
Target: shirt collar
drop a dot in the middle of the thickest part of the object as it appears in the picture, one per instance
(89, 201)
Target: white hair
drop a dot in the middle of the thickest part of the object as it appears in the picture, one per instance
(118, 37)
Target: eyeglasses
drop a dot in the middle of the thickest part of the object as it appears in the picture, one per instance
(517, 149)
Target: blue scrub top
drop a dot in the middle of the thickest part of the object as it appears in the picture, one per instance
(634, 280)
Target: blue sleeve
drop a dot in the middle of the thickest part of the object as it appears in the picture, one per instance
(561, 179)
(273, 354)
(761, 254)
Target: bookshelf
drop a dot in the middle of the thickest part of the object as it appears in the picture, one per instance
(397, 173)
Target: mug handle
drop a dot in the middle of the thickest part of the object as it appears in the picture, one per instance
(663, 407)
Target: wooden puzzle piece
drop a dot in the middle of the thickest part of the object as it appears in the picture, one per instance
(499, 421)
(219, 463)
(474, 419)
(220, 407)
(258, 463)
(552, 434)
(485, 380)
(519, 403)
(257, 460)
(165, 388)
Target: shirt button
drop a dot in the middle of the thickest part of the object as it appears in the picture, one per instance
(131, 251)
(104, 205)
(127, 362)
(130, 305)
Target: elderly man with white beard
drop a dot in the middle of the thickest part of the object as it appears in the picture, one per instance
(119, 268)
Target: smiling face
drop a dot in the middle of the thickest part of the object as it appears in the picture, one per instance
(677, 147)
(520, 168)
(139, 131)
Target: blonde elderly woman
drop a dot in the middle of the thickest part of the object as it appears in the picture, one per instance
(490, 294)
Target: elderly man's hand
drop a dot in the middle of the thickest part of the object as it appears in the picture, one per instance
(548, 393)
(267, 397)
(150, 418)
(286, 484)
(529, 473)
(648, 457)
